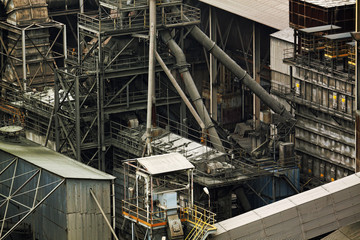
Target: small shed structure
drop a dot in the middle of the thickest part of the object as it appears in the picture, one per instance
(53, 195)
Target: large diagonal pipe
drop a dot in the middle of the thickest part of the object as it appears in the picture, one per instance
(246, 79)
(192, 90)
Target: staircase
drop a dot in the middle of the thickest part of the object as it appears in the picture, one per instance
(202, 221)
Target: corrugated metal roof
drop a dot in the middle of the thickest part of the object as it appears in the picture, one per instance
(319, 29)
(272, 13)
(330, 3)
(165, 163)
(286, 35)
(338, 36)
(52, 161)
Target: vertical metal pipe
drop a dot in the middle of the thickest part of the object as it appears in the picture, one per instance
(132, 231)
(113, 203)
(127, 96)
(147, 198)
(98, 112)
(23, 57)
(102, 122)
(192, 188)
(151, 73)
(357, 97)
(79, 45)
(77, 120)
(81, 3)
(151, 197)
(56, 109)
(64, 44)
(211, 64)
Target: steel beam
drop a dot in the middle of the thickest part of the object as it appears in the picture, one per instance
(357, 82)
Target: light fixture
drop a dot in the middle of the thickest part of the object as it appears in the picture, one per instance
(206, 190)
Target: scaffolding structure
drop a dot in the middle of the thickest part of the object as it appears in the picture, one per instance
(312, 13)
(322, 93)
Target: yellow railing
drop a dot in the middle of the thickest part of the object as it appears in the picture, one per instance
(202, 219)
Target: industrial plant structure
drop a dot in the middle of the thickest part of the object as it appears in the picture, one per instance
(191, 112)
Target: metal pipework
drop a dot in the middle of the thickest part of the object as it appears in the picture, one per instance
(151, 74)
(180, 91)
(191, 87)
(214, 49)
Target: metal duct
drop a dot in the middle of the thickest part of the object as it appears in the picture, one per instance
(191, 87)
(210, 46)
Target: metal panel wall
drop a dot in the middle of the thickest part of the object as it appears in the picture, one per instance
(83, 216)
(278, 48)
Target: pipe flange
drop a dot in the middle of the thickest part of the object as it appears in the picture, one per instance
(183, 67)
(245, 73)
(212, 47)
(209, 125)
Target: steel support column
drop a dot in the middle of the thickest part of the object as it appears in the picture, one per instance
(77, 120)
(100, 112)
(213, 65)
(23, 48)
(357, 84)
(56, 114)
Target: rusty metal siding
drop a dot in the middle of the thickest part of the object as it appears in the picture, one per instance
(83, 216)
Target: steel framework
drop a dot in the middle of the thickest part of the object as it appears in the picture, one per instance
(22, 192)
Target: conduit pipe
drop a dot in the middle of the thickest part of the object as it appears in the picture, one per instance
(180, 91)
(191, 87)
(246, 79)
(151, 74)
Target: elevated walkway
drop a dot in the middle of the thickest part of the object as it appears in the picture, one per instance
(303, 216)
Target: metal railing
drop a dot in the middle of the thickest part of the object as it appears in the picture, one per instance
(202, 219)
(308, 60)
(290, 95)
(142, 216)
(126, 5)
(139, 20)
